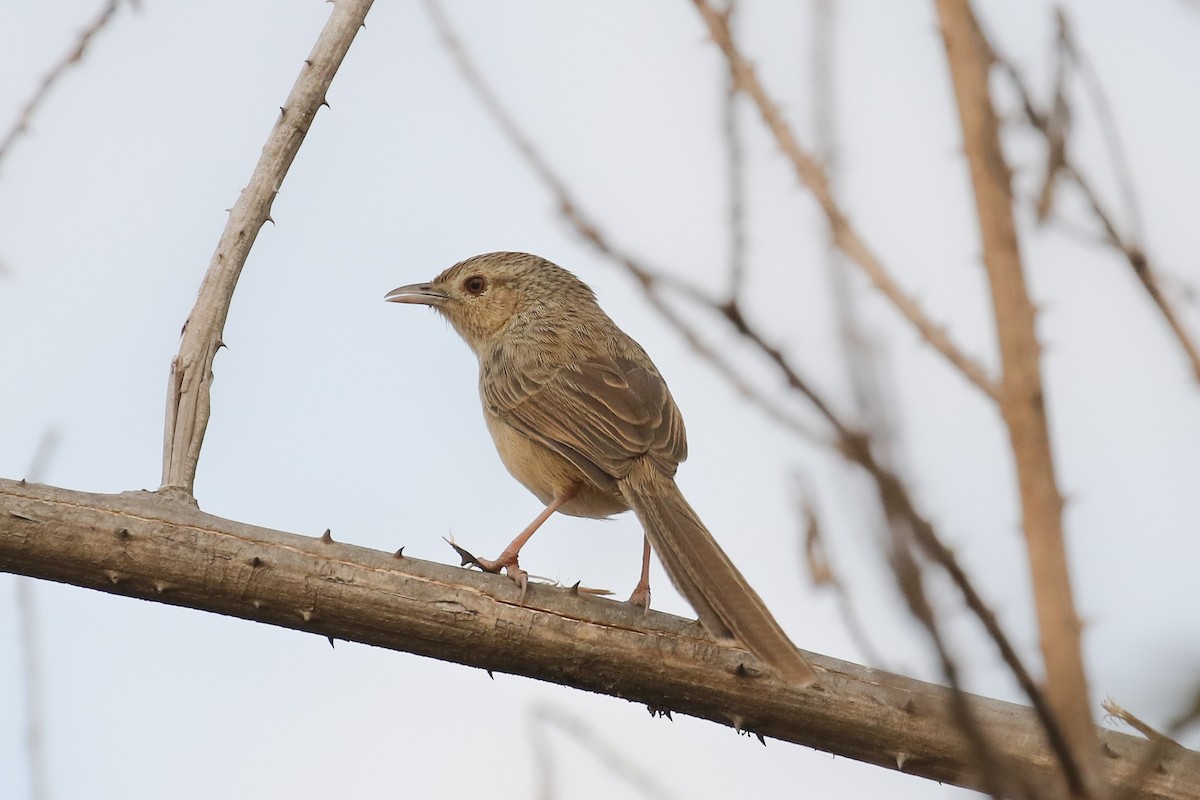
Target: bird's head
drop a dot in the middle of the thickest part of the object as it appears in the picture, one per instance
(481, 295)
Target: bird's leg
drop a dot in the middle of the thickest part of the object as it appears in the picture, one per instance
(507, 560)
(641, 592)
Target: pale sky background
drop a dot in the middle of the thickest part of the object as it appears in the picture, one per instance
(332, 409)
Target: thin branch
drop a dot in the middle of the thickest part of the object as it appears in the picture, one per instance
(1022, 402)
(1108, 123)
(141, 544)
(1128, 245)
(1144, 728)
(72, 57)
(821, 572)
(852, 444)
(188, 388)
(735, 163)
(847, 238)
(651, 282)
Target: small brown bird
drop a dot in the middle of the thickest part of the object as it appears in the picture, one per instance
(580, 416)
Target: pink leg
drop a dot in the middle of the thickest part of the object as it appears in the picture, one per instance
(507, 560)
(641, 592)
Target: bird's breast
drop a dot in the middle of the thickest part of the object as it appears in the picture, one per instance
(549, 475)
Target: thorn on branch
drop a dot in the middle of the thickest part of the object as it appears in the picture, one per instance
(399, 553)
(327, 537)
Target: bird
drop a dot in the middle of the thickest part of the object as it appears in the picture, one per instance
(580, 416)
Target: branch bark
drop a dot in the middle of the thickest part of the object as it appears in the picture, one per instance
(188, 388)
(1022, 395)
(142, 544)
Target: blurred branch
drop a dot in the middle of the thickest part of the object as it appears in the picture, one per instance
(847, 238)
(1052, 125)
(188, 388)
(72, 57)
(1022, 403)
(852, 444)
(650, 282)
(735, 161)
(141, 544)
(821, 572)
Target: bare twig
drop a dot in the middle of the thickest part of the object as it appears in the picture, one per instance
(735, 161)
(844, 234)
(821, 572)
(140, 544)
(72, 56)
(651, 282)
(1108, 123)
(908, 574)
(188, 396)
(1022, 402)
(1144, 728)
(852, 444)
(1061, 165)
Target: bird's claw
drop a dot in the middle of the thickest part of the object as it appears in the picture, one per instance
(507, 562)
(641, 597)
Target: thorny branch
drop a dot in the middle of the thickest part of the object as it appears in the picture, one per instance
(188, 388)
(144, 545)
(852, 444)
(1022, 398)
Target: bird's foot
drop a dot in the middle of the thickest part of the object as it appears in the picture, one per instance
(507, 562)
(641, 597)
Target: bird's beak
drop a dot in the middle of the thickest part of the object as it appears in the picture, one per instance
(422, 293)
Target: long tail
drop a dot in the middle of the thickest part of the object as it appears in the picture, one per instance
(726, 604)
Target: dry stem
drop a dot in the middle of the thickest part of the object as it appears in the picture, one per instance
(1022, 395)
(188, 389)
(853, 445)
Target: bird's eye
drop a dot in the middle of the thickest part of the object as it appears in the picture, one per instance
(475, 284)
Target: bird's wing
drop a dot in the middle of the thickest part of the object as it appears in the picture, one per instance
(601, 414)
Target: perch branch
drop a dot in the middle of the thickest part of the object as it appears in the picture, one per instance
(141, 544)
(188, 388)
